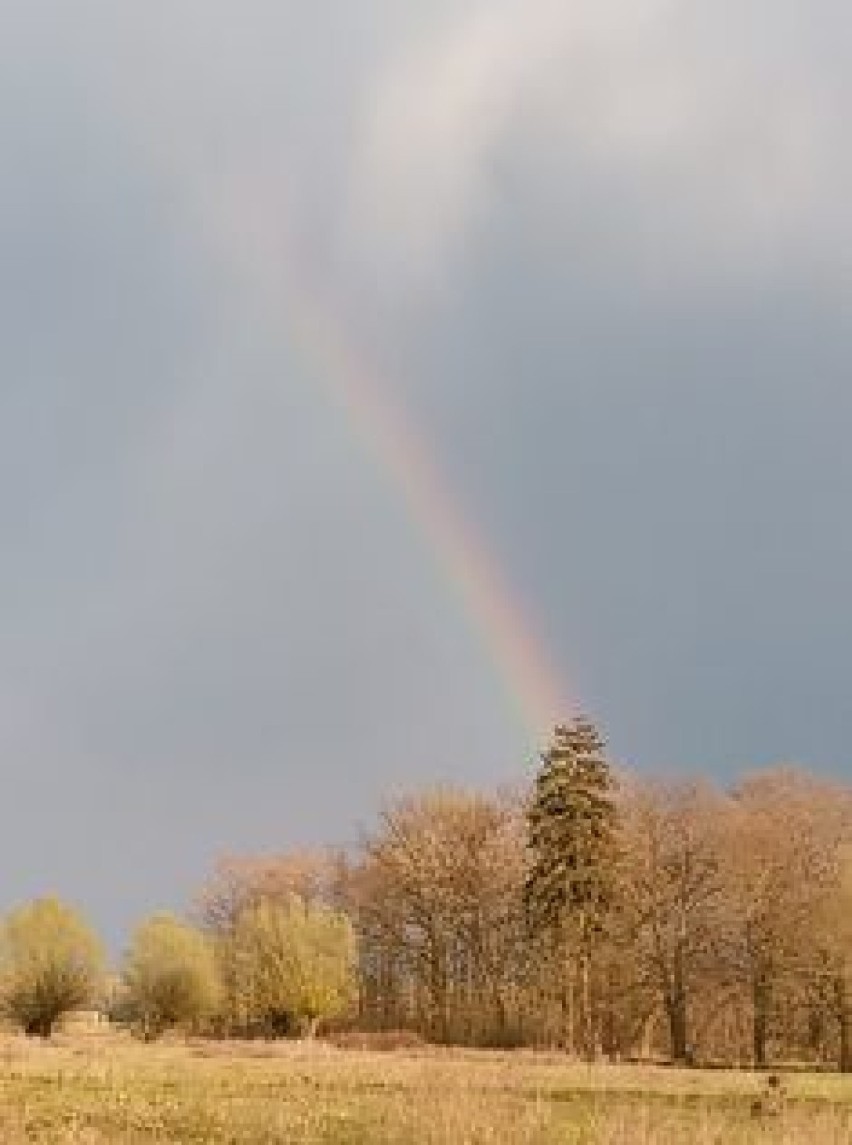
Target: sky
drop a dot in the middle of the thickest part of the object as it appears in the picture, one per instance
(321, 322)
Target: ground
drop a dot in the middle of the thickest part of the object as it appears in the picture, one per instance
(92, 1090)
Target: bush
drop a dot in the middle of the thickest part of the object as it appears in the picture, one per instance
(50, 964)
(289, 966)
(170, 977)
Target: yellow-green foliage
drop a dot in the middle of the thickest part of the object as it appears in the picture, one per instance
(291, 964)
(50, 963)
(170, 976)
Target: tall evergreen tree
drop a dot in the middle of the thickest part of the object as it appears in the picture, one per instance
(571, 825)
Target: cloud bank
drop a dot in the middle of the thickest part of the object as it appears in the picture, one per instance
(601, 258)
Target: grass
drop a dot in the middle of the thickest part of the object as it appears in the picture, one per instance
(92, 1090)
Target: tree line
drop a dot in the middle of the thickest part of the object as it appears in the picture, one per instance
(594, 910)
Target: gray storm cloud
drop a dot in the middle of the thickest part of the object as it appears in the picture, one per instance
(602, 258)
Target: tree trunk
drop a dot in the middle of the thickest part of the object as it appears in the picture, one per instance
(438, 989)
(609, 1037)
(568, 1008)
(588, 1036)
(678, 1030)
(760, 1018)
(844, 1019)
(565, 988)
(845, 1042)
(41, 1027)
(676, 1011)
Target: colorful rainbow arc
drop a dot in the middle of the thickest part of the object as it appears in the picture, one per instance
(531, 680)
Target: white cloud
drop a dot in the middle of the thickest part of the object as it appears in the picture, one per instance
(685, 118)
(431, 120)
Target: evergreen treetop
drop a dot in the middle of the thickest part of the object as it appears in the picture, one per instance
(571, 824)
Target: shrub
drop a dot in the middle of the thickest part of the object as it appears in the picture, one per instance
(289, 966)
(170, 977)
(50, 964)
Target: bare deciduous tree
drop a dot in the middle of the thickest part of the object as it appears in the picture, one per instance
(672, 894)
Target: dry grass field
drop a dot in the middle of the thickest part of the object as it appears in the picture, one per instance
(109, 1089)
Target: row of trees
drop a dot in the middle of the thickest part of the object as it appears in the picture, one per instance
(598, 911)
(609, 914)
(282, 967)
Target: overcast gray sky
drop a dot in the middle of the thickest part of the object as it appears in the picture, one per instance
(603, 252)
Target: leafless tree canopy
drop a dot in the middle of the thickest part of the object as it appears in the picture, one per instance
(727, 934)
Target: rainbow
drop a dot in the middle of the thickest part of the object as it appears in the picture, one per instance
(531, 681)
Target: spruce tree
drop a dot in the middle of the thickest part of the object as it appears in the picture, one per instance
(571, 825)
